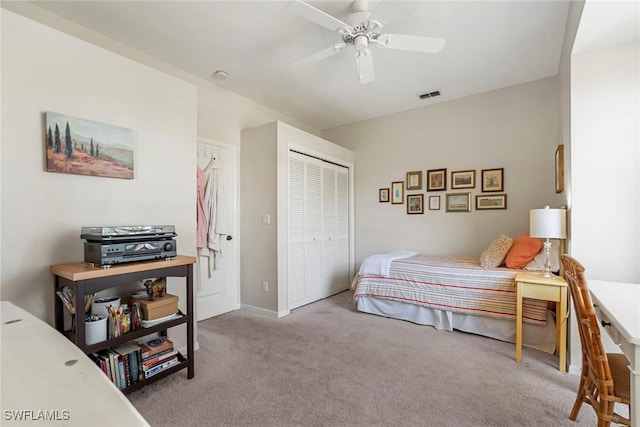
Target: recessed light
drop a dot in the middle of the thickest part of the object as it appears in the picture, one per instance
(221, 75)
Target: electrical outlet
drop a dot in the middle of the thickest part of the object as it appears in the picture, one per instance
(265, 286)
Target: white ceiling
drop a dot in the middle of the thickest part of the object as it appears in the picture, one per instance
(489, 45)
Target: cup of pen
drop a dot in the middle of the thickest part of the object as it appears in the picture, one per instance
(105, 307)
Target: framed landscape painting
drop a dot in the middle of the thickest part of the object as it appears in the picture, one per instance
(85, 147)
(463, 179)
(493, 201)
(459, 202)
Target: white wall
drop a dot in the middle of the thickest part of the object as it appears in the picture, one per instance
(574, 349)
(42, 212)
(605, 162)
(513, 128)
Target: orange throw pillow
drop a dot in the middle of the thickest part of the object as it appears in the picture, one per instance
(523, 250)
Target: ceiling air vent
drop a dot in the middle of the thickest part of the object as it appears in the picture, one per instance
(429, 95)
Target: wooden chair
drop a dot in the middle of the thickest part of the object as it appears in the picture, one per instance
(605, 378)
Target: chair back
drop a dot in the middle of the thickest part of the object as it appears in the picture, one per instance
(594, 355)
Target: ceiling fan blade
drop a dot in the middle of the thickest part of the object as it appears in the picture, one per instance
(364, 60)
(324, 53)
(412, 43)
(317, 16)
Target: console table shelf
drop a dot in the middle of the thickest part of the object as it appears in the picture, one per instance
(84, 279)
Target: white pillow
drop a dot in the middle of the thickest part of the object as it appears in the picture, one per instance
(537, 264)
(494, 254)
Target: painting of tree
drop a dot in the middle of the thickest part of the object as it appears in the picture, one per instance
(88, 147)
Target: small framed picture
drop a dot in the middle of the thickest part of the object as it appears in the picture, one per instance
(397, 193)
(493, 201)
(415, 204)
(383, 195)
(560, 169)
(414, 180)
(463, 179)
(436, 179)
(492, 180)
(434, 203)
(459, 202)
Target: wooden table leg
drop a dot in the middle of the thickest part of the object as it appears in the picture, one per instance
(561, 329)
(518, 322)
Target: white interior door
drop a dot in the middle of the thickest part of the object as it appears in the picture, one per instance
(218, 290)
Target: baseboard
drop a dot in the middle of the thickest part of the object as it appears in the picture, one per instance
(183, 350)
(264, 311)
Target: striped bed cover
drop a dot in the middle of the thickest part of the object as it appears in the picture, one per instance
(456, 284)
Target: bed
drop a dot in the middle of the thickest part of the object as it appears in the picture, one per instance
(451, 293)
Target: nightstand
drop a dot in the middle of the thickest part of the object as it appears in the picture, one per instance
(535, 285)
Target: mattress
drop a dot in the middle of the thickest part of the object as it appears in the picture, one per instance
(451, 284)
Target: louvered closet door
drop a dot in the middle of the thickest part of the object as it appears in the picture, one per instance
(296, 190)
(318, 264)
(313, 231)
(340, 281)
(335, 254)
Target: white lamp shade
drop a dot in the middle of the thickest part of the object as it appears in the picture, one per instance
(548, 223)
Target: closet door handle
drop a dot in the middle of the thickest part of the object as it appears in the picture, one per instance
(229, 237)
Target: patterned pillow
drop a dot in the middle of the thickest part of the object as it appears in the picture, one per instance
(494, 254)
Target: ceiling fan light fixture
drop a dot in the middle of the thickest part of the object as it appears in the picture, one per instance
(361, 43)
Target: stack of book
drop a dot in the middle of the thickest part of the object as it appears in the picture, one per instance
(133, 362)
(157, 355)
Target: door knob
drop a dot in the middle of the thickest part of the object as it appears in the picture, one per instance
(229, 237)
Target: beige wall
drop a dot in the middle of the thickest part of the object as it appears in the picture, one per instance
(264, 182)
(144, 95)
(42, 212)
(513, 128)
(222, 114)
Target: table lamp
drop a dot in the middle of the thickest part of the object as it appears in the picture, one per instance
(548, 224)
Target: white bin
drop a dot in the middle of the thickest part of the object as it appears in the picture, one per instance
(99, 305)
(96, 331)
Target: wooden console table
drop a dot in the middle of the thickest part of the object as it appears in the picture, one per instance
(84, 279)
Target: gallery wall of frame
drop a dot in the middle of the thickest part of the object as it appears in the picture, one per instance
(462, 183)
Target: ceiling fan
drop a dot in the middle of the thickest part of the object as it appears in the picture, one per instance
(361, 32)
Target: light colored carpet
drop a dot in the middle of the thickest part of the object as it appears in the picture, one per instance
(327, 364)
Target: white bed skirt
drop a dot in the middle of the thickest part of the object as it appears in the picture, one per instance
(535, 336)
